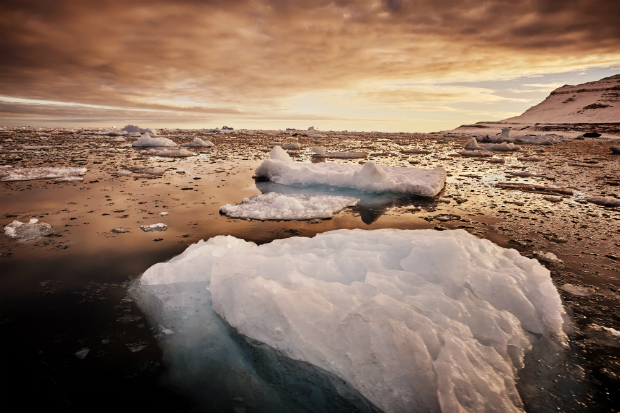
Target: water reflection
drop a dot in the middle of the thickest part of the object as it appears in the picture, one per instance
(371, 206)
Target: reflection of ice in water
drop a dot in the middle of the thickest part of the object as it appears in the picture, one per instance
(370, 207)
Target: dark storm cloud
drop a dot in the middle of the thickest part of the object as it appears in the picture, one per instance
(253, 53)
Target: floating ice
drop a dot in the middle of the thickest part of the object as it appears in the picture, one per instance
(472, 144)
(370, 177)
(137, 129)
(120, 230)
(82, 353)
(577, 290)
(288, 207)
(123, 172)
(475, 154)
(168, 153)
(291, 146)
(146, 140)
(198, 142)
(341, 155)
(154, 227)
(413, 320)
(31, 230)
(28, 174)
(68, 179)
(604, 335)
(319, 150)
(279, 154)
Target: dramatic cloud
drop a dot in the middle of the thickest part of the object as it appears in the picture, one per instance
(257, 56)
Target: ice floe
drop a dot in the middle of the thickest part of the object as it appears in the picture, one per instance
(28, 174)
(154, 227)
(603, 335)
(168, 153)
(198, 143)
(412, 320)
(288, 207)
(137, 129)
(473, 145)
(369, 177)
(28, 230)
(147, 140)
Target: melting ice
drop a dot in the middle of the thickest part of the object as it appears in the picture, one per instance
(391, 320)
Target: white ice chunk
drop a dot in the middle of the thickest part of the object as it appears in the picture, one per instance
(147, 140)
(472, 144)
(154, 227)
(198, 142)
(606, 336)
(319, 150)
(31, 230)
(278, 154)
(414, 320)
(28, 174)
(288, 207)
(370, 177)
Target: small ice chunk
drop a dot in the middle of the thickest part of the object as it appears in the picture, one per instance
(278, 154)
(199, 142)
(154, 228)
(27, 231)
(82, 353)
(577, 290)
(68, 179)
(371, 172)
(319, 150)
(28, 174)
(605, 336)
(147, 140)
(123, 172)
(472, 144)
(120, 230)
(548, 257)
(288, 207)
(163, 214)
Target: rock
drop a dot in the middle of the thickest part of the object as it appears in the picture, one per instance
(604, 201)
(591, 135)
(615, 149)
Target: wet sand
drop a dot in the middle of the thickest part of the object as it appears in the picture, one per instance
(67, 292)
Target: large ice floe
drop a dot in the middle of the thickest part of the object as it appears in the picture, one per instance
(147, 140)
(288, 207)
(370, 177)
(199, 143)
(353, 320)
(28, 174)
(28, 230)
(472, 144)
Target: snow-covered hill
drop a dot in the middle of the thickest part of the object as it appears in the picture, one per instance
(592, 102)
(571, 110)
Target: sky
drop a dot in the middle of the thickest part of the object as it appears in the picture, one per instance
(364, 65)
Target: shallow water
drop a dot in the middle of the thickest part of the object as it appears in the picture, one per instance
(68, 292)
